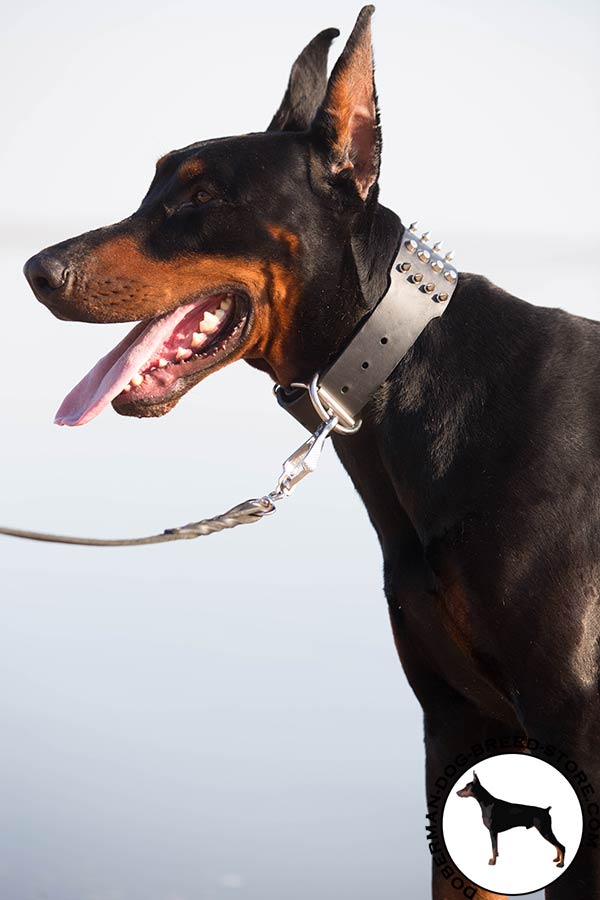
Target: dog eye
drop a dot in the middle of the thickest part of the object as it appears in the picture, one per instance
(201, 197)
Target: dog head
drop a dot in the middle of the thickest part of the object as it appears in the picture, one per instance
(238, 250)
(470, 788)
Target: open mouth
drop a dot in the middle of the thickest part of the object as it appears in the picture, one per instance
(151, 365)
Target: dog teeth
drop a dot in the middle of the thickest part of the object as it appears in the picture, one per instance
(127, 388)
(137, 380)
(162, 363)
(209, 323)
(227, 303)
(183, 353)
(198, 339)
(220, 314)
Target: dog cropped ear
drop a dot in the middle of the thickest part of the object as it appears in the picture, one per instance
(475, 778)
(348, 120)
(306, 87)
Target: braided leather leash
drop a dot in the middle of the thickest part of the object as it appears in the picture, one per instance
(243, 514)
(302, 462)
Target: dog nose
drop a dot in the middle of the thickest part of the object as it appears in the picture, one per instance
(46, 275)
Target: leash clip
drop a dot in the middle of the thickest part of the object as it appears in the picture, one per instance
(304, 460)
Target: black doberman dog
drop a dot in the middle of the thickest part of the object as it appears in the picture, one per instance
(500, 815)
(478, 460)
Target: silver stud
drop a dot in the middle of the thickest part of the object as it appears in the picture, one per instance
(426, 236)
(417, 277)
(450, 275)
(437, 265)
(441, 298)
(413, 226)
(450, 255)
(430, 287)
(404, 267)
(438, 246)
(411, 246)
(424, 255)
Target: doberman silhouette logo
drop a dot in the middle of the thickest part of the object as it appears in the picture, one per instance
(521, 808)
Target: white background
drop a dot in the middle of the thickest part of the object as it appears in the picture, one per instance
(193, 721)
(524, 860)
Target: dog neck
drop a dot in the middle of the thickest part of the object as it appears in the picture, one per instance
(432, 421)
(483, 797)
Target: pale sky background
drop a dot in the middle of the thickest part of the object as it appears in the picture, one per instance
(201, 721)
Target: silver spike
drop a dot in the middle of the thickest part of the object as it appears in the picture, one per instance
(449, 255)
(417, 277)
(426, 236)
(411, 246)
(424, 255)
(404, 267)
(438, 246)
(430, 287)
(437, 265)
(450, 275)
(413, 226)
(441, 298)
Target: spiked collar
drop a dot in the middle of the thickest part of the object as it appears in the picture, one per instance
(422, 280)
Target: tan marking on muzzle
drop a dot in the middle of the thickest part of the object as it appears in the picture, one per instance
(120, 283)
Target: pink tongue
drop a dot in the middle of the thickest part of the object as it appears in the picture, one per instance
(115, 370)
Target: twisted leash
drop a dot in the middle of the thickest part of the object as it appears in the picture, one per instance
(421, 282)
(301, 463)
